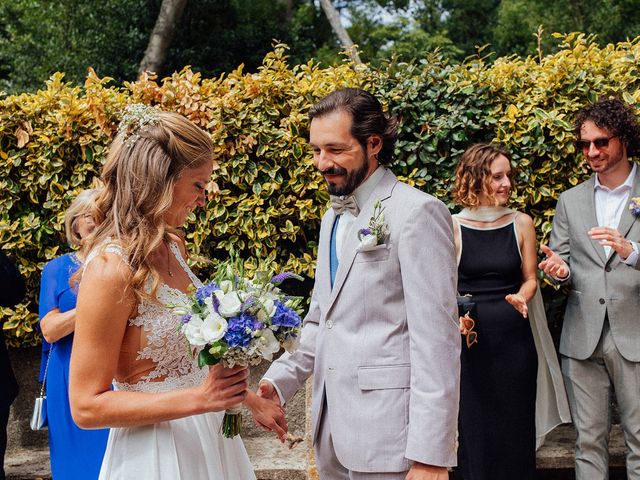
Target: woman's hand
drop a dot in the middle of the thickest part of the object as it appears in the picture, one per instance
(518, 302)
(224, 387)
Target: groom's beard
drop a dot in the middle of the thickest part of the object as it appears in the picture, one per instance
(352, 181)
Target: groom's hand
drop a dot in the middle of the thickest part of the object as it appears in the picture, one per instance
(421, 471)
(267, 411)
(268, 391)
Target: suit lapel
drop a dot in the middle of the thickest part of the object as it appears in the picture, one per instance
(589, 216)
(627, 219)
(323, 280)
(350, 248)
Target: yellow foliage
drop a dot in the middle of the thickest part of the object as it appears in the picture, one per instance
(266, 199)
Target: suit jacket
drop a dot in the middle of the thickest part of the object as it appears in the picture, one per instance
(598, 285)
(11, 292)
(383, 345)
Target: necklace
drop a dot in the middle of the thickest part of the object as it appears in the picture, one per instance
(166, 244)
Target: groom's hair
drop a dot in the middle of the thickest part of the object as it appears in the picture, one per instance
(615, 116)
(367, 118)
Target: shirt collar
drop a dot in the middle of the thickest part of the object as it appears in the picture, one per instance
(627, 185)
(366, 188)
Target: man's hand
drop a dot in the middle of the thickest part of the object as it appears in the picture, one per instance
(268, 391)
(267, 412)
(553, 265)
(610, 237)
(421, 471)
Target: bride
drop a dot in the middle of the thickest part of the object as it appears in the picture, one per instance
(165, 412)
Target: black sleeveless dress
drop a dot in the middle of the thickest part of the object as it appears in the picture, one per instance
(498, 374)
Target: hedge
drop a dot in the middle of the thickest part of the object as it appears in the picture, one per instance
(268, 198)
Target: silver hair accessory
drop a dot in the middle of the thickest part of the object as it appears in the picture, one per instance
(136, 117)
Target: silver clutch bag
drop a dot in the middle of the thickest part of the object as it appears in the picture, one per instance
(39, 415)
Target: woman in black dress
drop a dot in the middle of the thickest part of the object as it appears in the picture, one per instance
(496, 249)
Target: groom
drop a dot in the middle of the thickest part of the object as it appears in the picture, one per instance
(381, 336)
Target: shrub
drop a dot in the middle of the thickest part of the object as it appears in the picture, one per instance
(268, 200)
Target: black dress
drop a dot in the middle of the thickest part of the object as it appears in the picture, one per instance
(498, 374)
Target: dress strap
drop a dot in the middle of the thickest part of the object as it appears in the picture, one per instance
(173, 246)
(102, 248)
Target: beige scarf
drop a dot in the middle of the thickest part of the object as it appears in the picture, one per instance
(484, 214)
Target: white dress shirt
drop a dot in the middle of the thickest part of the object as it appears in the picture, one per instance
(609, 207)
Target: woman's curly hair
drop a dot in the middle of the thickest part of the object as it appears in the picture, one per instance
(615, 116)
(473, 174)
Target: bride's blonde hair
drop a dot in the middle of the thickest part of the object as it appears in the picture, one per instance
(139, 177)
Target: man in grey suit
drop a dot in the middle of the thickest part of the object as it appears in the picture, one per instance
(381, 336)
(594, 250)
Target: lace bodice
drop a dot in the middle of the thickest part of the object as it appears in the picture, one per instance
(166, 347)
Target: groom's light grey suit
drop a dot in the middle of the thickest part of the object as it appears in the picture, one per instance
(601, 288)
(383, 344)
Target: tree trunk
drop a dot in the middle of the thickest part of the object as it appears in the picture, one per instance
(289, 12)
(162, 35)
(334, 19)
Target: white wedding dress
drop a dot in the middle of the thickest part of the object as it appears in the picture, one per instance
(190, 448)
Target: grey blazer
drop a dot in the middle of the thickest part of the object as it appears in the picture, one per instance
(383, 345)
(599, 285)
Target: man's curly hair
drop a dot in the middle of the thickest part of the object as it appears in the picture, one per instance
(615, 116)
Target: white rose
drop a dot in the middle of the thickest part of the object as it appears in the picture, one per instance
(230, 305)
(214, 327)
(268, 344)
(368, 241)
(193, 331)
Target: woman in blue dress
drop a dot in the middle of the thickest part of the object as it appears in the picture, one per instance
(74, 453)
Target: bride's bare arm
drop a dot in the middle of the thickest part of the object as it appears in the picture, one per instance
(101, 319)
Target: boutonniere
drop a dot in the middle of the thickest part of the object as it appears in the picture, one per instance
(377, 231)
(634, 206)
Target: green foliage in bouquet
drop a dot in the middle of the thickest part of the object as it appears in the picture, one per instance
(266, 199)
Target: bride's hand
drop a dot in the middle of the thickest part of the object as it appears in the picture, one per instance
(224, 387)
(267, 414)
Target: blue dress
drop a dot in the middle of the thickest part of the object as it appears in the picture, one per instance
(74, 453)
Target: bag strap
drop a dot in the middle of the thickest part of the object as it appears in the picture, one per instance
(46, 368)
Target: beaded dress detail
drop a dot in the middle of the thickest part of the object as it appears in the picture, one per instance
(175, 367)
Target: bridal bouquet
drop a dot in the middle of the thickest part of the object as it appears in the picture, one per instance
(240, 321)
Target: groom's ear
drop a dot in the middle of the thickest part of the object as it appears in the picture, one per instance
(374, 145)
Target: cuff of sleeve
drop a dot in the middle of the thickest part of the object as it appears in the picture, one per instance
(280, 396)
(560, 281)
(632, 259)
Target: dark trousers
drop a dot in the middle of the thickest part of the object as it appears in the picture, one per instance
(4, 420)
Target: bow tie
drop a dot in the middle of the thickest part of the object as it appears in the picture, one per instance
(345, 204)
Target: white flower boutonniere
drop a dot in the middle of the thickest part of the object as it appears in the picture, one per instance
(377, 231)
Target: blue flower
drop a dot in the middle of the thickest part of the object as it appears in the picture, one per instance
(207, 291)
(285, 316)
(281, 277)
(240, 330)
(186, 317)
